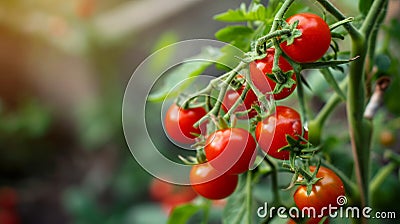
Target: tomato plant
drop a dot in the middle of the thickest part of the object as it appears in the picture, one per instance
(314, 40)
(264, 82)
(230, 150)
(211, 183)
(179, 123)
(272, 131)
(295, 139)
(325, 192)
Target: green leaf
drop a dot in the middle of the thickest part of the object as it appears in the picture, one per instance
(181, 214)
(333, 83)
(236, 211)
(364, 6)
(185, 73)
(165, 40)
(239, 36)
(257, 13)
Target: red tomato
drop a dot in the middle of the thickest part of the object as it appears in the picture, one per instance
(164, 191)
(8, 217)
(170, 195)
(179, 123)
(271, 132)
(8, 198)
(232, 96)
(230, 150)
(210, 183)
(263, 82)
(314, 40)
(324, 193)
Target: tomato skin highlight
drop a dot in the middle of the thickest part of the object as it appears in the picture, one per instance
(324, 193)
(271, 132)
(210, 183)
(231, 150)
(232, 96)
(179, 122)
(263, 82)
(314, 41)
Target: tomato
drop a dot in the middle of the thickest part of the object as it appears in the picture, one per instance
(8, 198)
(9, 217)
(210, 183)
(170, 195)
(313, 42)
(179, 123)
(387, 138)
(232, 96)
(324, 193)
(263, 82)
(271, 132)
(230, 150)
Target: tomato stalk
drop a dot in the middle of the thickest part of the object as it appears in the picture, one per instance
(340, 16)
(384, 172)
(315, 126)
(340, 23)
(249, 196)
(360, 129)
(237, 102)
(262, 40)
(381, 176)
(274, 173)
(224, 87)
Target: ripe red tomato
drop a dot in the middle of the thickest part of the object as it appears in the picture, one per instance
(324, 193)
(271, 132)
(230, 150)
(179, 123)
(314, 41)
(9, 217)
(210, 183)
(170, 195)
(8, 198)
(232, 96)
(263, 82)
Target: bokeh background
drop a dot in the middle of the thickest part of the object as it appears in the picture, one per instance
(64, 66)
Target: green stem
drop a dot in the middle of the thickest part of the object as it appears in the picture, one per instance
(373, 17)
(274, 176)
(381, 176)
(354, 33)
(262, 40)
(360, 128)
(392, 157)
(340, 23)
(326, 64)
(249, 196)
(239, 101)
(224, 87)
(315, 126)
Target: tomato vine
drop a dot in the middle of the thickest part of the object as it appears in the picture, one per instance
(271, 69)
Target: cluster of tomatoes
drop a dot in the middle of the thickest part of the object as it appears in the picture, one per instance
(230, 151)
